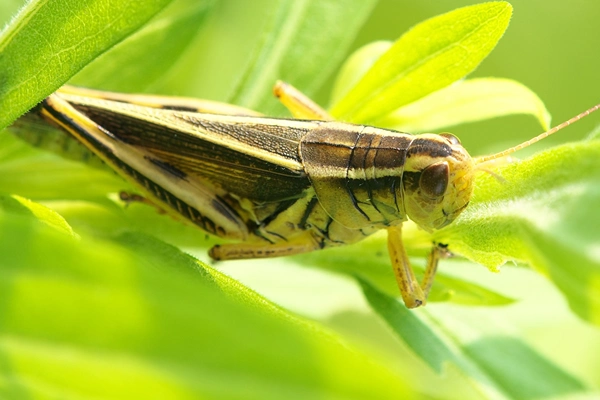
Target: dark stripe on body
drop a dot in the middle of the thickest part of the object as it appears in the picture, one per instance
(165, 166)
(172, 107)
(281, 207)
(356, 160)
(429, 147)
(309, 208)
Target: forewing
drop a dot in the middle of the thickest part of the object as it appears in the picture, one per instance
(249, 157)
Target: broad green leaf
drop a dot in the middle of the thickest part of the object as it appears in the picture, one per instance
(49, 41)
(430, 56)
(467, 101)
(541, 211)
(135, 318)
(498, 364)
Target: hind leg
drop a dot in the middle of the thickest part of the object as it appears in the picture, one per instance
(236, 251)
(298, 103)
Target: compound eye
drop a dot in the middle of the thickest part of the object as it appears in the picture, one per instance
(451, 138)
(434, 180)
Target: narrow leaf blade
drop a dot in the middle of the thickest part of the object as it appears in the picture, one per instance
(48, 42)
(467, 101)
(304, 44)
(478, 346)
(430, 56)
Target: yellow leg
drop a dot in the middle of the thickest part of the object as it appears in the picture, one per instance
(238, 251)
(438, 251)
(411, 291)
(299, 105)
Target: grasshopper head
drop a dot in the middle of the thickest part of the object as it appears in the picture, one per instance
(437, 180)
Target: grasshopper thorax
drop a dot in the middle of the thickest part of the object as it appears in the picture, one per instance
(437, 180)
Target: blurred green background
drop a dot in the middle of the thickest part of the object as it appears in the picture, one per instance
(551, 47)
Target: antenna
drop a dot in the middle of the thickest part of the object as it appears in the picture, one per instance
(541, 136)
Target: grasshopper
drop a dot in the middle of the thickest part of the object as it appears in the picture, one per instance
(277, 186)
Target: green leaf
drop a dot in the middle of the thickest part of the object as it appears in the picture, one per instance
(497, 364)
(49, 41)
(430, 56)
(22, 206)
(541, 211)
(467, 101)
(136, 318)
